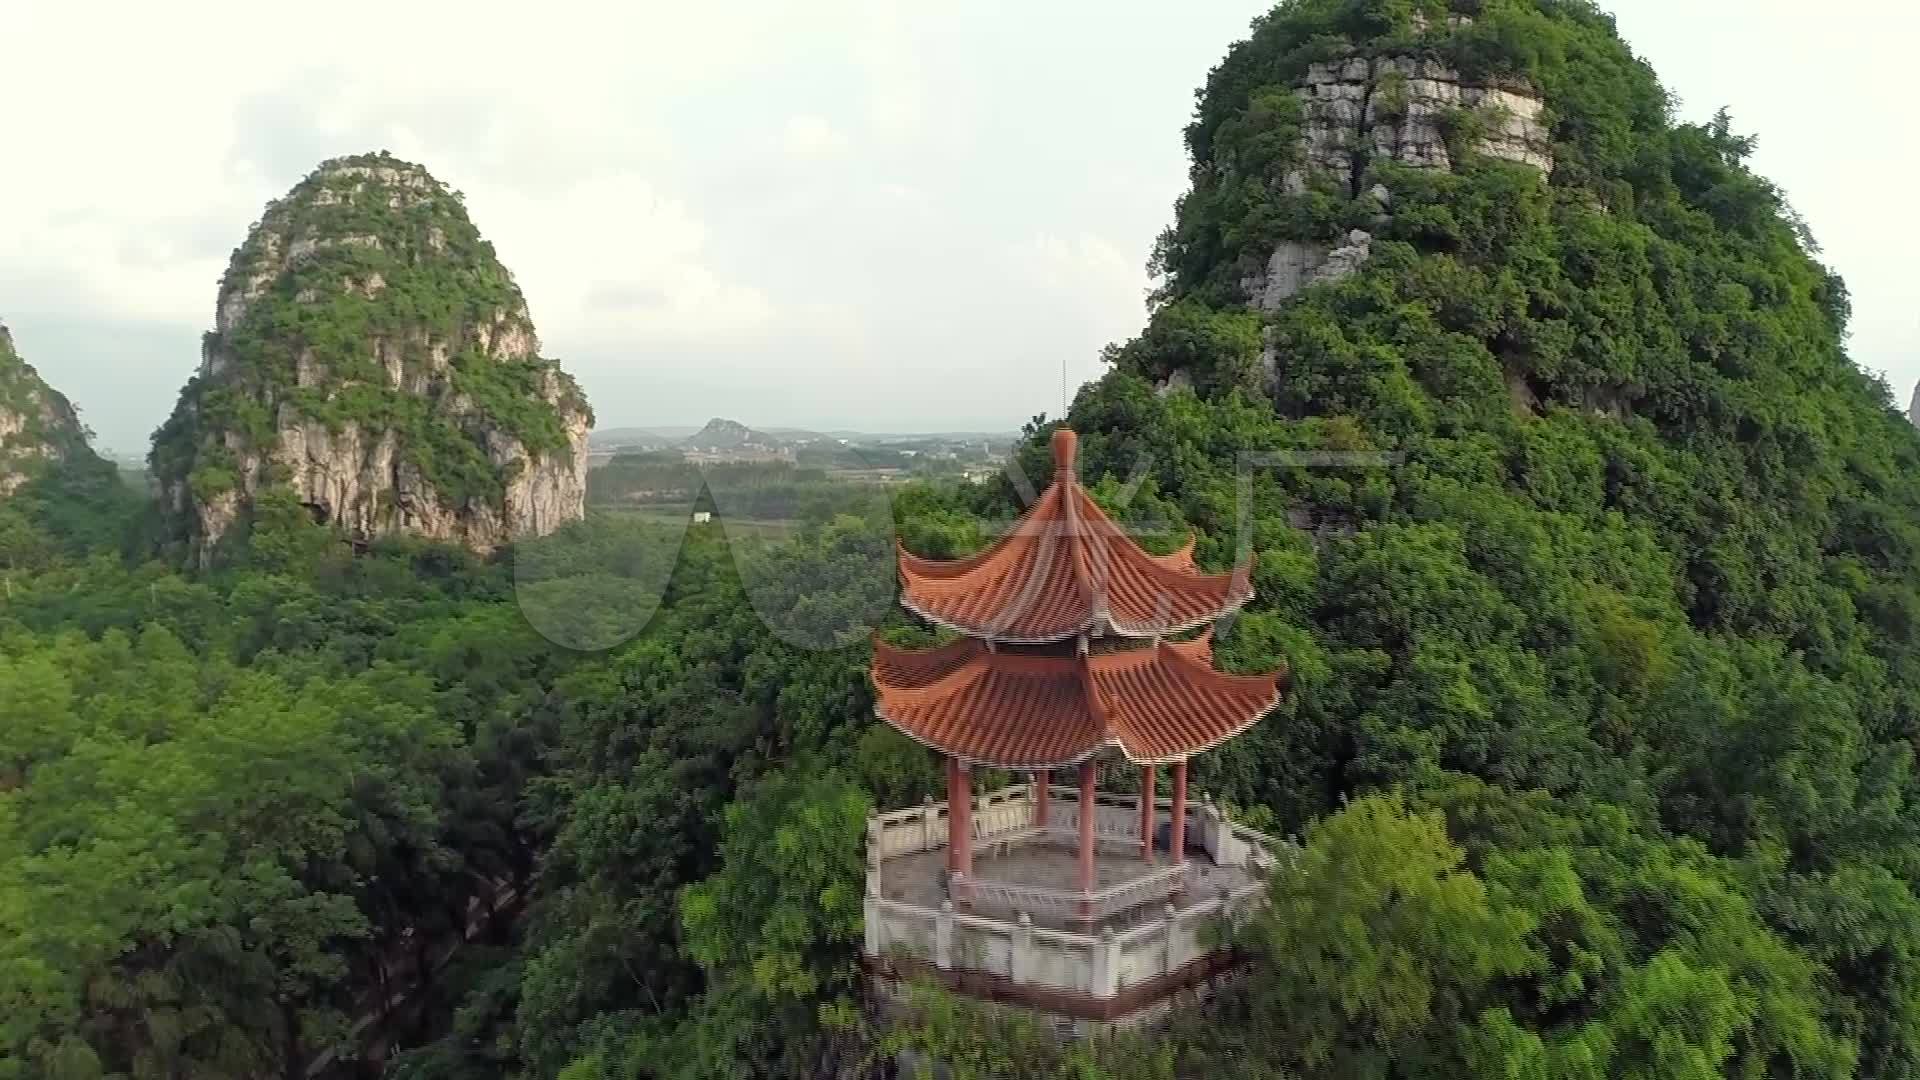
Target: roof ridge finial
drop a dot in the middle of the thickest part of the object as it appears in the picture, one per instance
(1066, 446)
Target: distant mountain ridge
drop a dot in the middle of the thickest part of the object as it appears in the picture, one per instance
(722, 434)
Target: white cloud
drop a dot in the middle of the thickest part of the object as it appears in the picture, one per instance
(613, 259)
(755, 198)
(807, 135)
(1084, 265)
(555, 169)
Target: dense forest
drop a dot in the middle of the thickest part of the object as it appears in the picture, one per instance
(1605, 655)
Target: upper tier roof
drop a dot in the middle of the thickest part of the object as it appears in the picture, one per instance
(1066, 569)
(1158, 703)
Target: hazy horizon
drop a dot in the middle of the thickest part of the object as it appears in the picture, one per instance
(850, 217)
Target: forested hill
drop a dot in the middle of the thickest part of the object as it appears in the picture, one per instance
(55, 492)
(373, 361)
(38, 426)
(1632, 602)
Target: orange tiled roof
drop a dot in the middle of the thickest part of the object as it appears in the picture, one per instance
(1157, 703)
(1182, 559)
(1066, 569)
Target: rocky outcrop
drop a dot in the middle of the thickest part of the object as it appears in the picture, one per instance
(371, 355)
(1913, 407)
(1178, 380)
(38, 426)
(1416, 111)
(1406, 109)
(1293, 266)
(1412, 110)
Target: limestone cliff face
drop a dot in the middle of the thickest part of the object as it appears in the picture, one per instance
(1913, 407)
(38, 427)
(1359, 111)
(1409, 109)
(1406, 109)
(370, 354)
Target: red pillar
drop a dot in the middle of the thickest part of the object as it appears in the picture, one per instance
(1041, 780)
(959, 818)
(1178, 845)
(1086, 827)
(1146, 812)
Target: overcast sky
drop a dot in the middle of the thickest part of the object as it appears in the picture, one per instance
(879, 215)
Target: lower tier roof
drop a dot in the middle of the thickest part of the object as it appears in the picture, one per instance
(1159, 703)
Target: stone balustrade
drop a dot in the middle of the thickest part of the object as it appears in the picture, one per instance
(924, 827)
(1067, 904)
(1143, 949)
(1010, 810)
(1098, 966)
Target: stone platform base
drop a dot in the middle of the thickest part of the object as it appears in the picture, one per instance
(1072, 1014)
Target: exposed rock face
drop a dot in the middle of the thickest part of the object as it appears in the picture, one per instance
(1180, 379)
(1913, 407)
(1406, 109)
(1293, 266)
(38, 427)
(370, 354)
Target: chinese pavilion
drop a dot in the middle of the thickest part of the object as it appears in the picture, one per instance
(1068, 656)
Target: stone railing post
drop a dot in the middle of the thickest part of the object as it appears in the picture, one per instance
(1020, 961)
(1106, 965)
(1171, 960)
(1229, 909)
(929, 825)
(1219, 834)
(874, 835)
(871, 913)
(943, 937)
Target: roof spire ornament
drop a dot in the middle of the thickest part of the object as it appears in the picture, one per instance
(1066, 447)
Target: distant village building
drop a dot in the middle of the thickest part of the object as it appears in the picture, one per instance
(701, 517)
(742, 455)
(871, 476)
(1056, 898)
